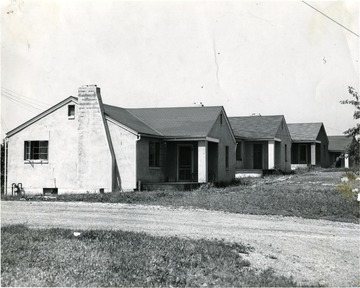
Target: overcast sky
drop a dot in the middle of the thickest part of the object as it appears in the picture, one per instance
(267, 58)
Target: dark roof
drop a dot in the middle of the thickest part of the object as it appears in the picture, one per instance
(168, 122)
(124, 117)
(339, 143)
(256, 127)
(304, 131)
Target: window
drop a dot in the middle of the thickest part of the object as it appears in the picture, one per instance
(154, 154)
(71, 111)
(239, 152)
(221, 119)
(286, 152)
(36, 150)
(227, 157)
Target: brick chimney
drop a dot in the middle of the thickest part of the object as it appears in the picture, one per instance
(94, 152)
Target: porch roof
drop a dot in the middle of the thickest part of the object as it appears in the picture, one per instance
(339, 143)
(167, 122)
(256, 127)
(304, 132)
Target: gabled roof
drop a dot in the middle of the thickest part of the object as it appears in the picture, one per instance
(339, 143)
(256, 127)
(167, 122)
(304, 131)
(42, 115)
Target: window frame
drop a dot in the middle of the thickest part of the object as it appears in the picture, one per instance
(71, 111)
(33, 153)
(154, 154)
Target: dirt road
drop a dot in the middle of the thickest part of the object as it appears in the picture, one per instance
(314, 252)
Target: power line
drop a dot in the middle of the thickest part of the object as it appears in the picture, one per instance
(330, 18)
(22, 105)
(28, 99)
(21, 101)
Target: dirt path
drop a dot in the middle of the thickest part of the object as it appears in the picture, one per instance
(314, 252)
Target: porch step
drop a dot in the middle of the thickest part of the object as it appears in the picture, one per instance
(244, 173)
(170, 186)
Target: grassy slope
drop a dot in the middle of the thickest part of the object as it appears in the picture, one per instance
(311, 195)
(55, 257)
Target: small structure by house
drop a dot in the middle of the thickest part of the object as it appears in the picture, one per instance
(82, 145)
(337, 151)
(309, 145)
(263, 143)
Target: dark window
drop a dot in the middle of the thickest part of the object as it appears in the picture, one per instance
(286, 152)
(221, 119)
(36, 150)
(154, 154)
(239, 151)
(71, 111)
(226, 157)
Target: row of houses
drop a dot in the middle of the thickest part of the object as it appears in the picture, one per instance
(83, 145)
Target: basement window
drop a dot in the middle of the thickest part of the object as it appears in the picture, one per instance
(71, 112)
(36, 151)
(154, 154)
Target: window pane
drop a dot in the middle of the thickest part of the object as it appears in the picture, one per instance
(35, 150)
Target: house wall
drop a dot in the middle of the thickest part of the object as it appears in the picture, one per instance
(124, 145)
(324, 160)
(61, 169)
(221, 131)
(145, 173)
(281, 162)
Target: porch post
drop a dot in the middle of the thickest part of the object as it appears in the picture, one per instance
(271, 154)
(346, 160)
(202, 161)
(313, 154)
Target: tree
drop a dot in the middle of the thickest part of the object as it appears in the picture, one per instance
(354, 132)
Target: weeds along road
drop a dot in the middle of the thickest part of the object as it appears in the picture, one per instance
(314, 252)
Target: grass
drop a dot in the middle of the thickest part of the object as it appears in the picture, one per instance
(311, 194)
(55, 257)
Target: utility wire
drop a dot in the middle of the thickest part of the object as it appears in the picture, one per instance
(20, 101)
(330, 18)
(18, 95)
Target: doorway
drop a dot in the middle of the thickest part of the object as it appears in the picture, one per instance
(185, 162)
(258, 156)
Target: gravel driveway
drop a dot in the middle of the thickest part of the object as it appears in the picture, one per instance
(314, 252)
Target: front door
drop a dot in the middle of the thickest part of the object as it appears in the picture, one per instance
(258, 156)
(185, 162)
(302, 154)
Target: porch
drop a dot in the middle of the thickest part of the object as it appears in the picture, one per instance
(170, 186)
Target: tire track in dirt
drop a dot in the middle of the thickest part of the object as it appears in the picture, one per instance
(314, 252)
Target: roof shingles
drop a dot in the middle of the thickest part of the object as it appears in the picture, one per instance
(256, 127)
(167, 122)
(304, 131)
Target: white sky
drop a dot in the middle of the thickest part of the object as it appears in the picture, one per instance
(251, 57)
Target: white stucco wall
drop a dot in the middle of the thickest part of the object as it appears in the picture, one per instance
(124, 144)
(61, 169)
